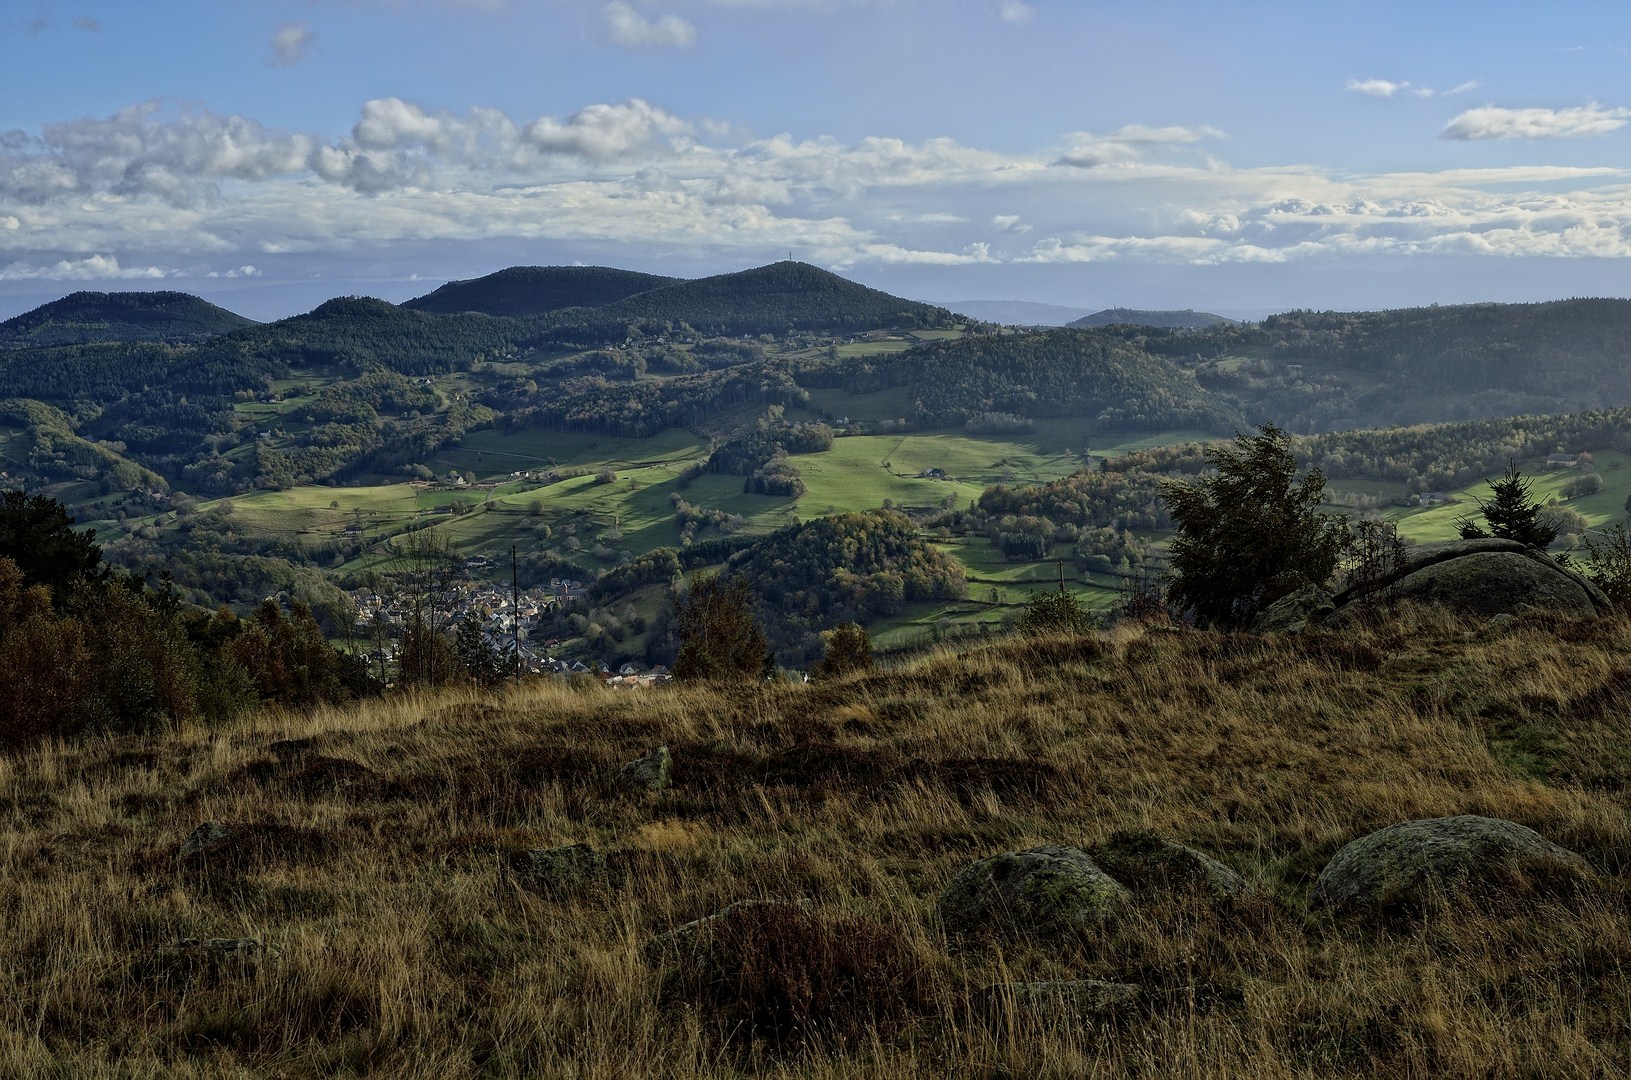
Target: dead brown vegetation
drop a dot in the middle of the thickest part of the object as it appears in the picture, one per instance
(375, 846)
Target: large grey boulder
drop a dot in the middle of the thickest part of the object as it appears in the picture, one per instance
(1484, 578)
(1147, 862)
(1067, 1003)
(1404, 867)
(1044, 890)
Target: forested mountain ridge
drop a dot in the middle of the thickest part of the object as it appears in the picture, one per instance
(987, 381)
(1186, 319)
(775, 299)
(1320, 371)
(86, 317)
(524, 291)
(759, 421)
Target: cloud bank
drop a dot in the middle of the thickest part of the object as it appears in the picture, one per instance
(161, 190)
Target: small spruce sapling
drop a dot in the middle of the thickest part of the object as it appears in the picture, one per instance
(1511, 513)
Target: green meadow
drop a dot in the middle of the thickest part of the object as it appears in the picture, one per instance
(1433, 523)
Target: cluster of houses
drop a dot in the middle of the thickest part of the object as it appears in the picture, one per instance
(506, 626)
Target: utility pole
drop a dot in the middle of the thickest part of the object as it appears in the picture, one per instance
(1061, 563)
(515, 612)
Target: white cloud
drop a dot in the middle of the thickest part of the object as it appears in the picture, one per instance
(145, 150)
(605, 132)
(1016, 11)
(94, 268)
(1462, 88)
(155, 188)
(632, 30)
(1128, 145)
(292, 42)
(1492, 122)
(1381, 88)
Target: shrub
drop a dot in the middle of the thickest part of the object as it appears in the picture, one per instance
(1608, 564)
(1373, 555)
(1053, 613)
(798, 979)
(849, 648)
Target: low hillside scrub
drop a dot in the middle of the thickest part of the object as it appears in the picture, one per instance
(343, 891)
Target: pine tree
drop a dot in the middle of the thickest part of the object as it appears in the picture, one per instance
(481, 662)
(1510, 513)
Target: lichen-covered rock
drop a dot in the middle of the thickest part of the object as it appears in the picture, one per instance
(1485, 578)
(201, 839)
(1045, 890)
(1145, 861)
(1405, 866)
(1066, 1002)
(1292, 613)
(562, 872)
(649, 773)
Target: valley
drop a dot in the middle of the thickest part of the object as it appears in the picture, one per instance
(586, 418)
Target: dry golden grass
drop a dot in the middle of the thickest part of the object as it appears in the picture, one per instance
(399, 944)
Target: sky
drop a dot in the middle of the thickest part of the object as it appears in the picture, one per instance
(1241, 157)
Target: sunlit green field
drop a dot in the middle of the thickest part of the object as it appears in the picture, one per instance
(1429, 524)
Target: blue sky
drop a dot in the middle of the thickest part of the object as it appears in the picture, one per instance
(1242, 157)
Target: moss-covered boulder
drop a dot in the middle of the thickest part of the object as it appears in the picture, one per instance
(1149, 863)
(1483, 578)
(1292, 613)
(1045, 890)
(1402, 868)
(649, 773)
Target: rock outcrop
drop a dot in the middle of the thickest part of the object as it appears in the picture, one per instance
(649, 773)
(1483, 578)
(1404, 867)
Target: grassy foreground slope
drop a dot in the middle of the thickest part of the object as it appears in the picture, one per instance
(397, 943)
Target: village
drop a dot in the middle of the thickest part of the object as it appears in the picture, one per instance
(510, 623)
